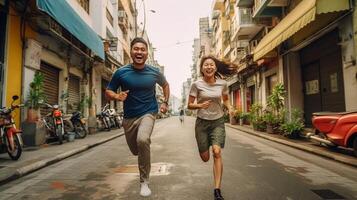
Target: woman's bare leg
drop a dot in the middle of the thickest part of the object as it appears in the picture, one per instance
(217, 166)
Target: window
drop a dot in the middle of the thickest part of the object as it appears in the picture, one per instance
(250, 95)
(109, 17)
(84, 4)
(271, 81)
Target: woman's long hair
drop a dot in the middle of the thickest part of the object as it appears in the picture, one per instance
(224, 69)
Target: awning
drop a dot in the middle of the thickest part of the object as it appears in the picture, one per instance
(300, 16)
(63, 13)
(112, 60)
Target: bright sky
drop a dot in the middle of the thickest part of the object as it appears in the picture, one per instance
(171, 30)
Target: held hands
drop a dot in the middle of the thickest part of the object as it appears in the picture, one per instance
(121, 96)
(163, 108)
(205, 104)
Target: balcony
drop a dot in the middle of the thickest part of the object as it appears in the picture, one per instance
(244, 3)
(268, 8)
(243, 25)
(227, 51)
(239, 49)
(131, 6)
(226, 38)
(229, 9)
(218, 5)
(123, 21)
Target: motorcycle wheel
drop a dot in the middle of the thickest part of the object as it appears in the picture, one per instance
(15, 155)
(113, 123)
(68, 126)
(59, 134)
(80, 130)
(106, 122)
(117, 120)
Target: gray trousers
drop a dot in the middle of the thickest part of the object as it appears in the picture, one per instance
(137, 133)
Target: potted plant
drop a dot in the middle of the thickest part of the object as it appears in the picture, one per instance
(256, 114)
(35, 97)
(272, 123)
(236, 117)
(293, 127)
(275, 109)
(276, 99)
(244, 118)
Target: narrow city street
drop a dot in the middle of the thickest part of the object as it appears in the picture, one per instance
(254, 168)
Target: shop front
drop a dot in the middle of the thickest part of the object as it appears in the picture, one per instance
(322, 76)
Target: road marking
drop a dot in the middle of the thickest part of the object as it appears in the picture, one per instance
(157, 169)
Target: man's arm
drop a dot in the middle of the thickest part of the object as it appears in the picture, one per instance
(166, 91)
(111, 95)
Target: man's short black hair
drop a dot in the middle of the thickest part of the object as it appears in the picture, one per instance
(136, 40)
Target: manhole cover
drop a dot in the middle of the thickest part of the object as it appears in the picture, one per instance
(328, 194)
(156, 169)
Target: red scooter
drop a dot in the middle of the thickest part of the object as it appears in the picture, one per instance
(336, 129)
(10, 136)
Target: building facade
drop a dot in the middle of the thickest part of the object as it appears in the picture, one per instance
(307, 45)
(76, 44)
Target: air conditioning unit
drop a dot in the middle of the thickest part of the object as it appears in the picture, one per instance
(122, 14)
(216, 14)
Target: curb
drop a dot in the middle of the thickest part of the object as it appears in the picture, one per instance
(20, 172)
(311, 150)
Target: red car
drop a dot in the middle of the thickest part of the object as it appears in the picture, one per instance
(336, 129)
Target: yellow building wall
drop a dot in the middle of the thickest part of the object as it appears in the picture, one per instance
(14, 59)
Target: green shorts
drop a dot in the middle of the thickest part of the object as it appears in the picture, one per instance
(209, 132)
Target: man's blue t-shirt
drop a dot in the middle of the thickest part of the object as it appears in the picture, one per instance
(141, 84)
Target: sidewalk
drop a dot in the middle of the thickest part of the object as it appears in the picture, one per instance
(303, 144)
(34, 158)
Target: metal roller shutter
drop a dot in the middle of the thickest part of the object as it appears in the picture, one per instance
(73, 94)
(50, 86)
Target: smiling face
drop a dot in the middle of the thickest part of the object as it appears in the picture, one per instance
(208, 68)
(139, 53)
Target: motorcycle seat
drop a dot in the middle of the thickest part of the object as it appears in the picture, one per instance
(327, 113)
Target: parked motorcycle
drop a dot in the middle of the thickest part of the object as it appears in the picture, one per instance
(79, 125)
(54, 122)
(115, 117)
(335, 129)
(103, 119)
(10, 136)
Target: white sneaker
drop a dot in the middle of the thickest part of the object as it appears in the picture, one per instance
(145, 190)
